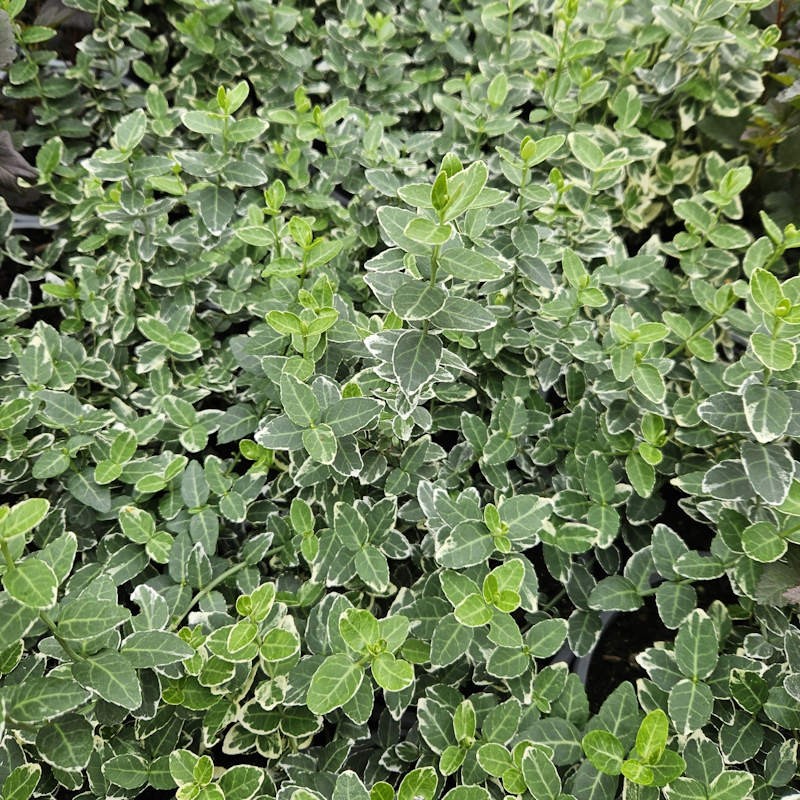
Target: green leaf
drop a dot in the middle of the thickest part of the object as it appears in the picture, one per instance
(668, 767)
(154, 649)
(21, 782)
(615, 593)
(373, 568)
(467, 792)
(130, 131)
(83, 488)
(675, 601)
(280, 433)
(651, 740)
(696, 646)
(494, 759)
(449, 642)
(128, 770)
(415, 360)
(762, 542)
(284, 322)
(392, 674)
(605, 751)
(641, 474)
(767, 410)
(241, 782)
(416, 300)
(278, 645)
(460, 314)
(427, 232)
(419, 784)
(350, 527)
(359, 629)
(66, 743)
(765, 290)
(776, 354)
(320, 442)
(85, 618)
(464, 188)
(546, 637)
(298, 401)
(110, 676)
(586, 151)
(690, 705)
(540, 775)
(649, 382)
(39, 699)
(731, 785)
(468, 544)
(627, 106)
(335, 681)
(469, 265)
(32, 583)
(473, 612)
(451, 759)
(724, 410)
(637, 773)
(216, 205)
(351, 414)
(23, 517)
(598, 479)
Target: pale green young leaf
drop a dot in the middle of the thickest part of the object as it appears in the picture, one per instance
(392, 674)
(335, 681)
(604, 750)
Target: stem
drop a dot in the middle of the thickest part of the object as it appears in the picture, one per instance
(559, 71)
(66, 647)
(434, 263)
(206, 590)
(509, 27)
(547, 606)
(6, 554)
(702, 329)
(221, 578)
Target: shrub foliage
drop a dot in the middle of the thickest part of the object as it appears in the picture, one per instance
(371, 355)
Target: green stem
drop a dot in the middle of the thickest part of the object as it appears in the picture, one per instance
(221, 578)
(547, 606)
(6, 554)
(702, 329)
(509, 27)
(434, 263)
(559, 72)
(65, 646)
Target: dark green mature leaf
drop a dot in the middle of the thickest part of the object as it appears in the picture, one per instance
(769, 469)
(85, 617)
(42, 698)
(154, 649)
(351, 414)
(696, 647)
(110, 676)
(216, 205)
(767, 410)
(66, 742)
(415, 359)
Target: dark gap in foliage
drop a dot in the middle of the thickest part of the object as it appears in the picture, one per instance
(695, 534)
(614, 657)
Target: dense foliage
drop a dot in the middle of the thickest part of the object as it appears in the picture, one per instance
(368, 358)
